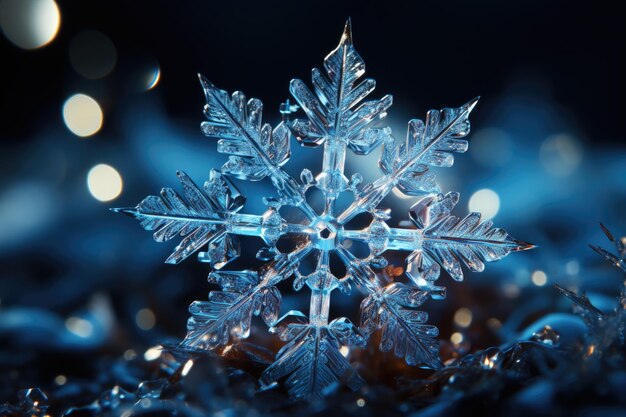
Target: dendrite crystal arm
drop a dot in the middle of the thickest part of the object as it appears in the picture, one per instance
(227, 313)
(333, 117)
(256, 150)
(440, 239)
(206, 216)
(406, 166)
(393, 308)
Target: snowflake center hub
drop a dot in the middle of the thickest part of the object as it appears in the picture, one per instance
(327, 232)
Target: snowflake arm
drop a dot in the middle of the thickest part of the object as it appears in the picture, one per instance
(312, 361)
(606, 331)
(406, 166)
(256, 151)
(582, 302)
(333, 117)
(228, 313)
(206, 216)
(393, 308)
(440, 239)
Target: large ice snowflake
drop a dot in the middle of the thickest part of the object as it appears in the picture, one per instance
(337, 118)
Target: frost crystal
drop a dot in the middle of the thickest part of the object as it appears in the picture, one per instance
(337, 118)
(606, 332)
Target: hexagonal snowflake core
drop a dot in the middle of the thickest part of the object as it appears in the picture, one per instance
(337, 118)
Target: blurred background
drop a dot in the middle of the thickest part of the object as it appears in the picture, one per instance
(101, 105)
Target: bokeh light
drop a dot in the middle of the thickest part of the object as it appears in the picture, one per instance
(79, 326)
(511, 290)
(572, 267)
(82, 115)
(345, 351)
(145, 319)
(29, 24)
(456, 338)
(153, 353)
(494, 323)
(486, 202)
(104, 182)
(560, 154)
(463, 317)
(539, 278)
(187, 367)
(144, 73)
(92, 54)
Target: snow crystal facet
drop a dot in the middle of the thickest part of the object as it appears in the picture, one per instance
(337, 117)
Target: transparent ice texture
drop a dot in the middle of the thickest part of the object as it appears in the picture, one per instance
(338, 115)
(618, 260)
(606, 331)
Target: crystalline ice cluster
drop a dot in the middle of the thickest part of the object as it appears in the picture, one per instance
(606, 331)
(338, 118)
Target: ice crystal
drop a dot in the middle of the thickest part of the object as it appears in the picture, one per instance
(618, 260)
(606, 332)
(337, 117)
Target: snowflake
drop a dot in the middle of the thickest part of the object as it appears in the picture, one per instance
(337, 118)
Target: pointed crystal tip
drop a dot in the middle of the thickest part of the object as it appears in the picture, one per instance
(346, 37)
(521, 245)
(471, 104)
(605, 254)
(607, 233)
(596, 249)
(129, 211)
(205, 82)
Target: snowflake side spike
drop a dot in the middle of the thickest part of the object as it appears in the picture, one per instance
(337, 117)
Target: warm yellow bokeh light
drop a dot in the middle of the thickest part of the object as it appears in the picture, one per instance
(29, 24)
(456, 338)
(104, 182)
(82, 115)
(463, 317)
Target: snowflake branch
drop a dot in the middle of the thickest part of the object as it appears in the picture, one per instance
(312, 361)
(392, 308)
(413, 239)
(406, 166)
(440, 239)
(256, 151)
(331, 118)
(228, 313)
